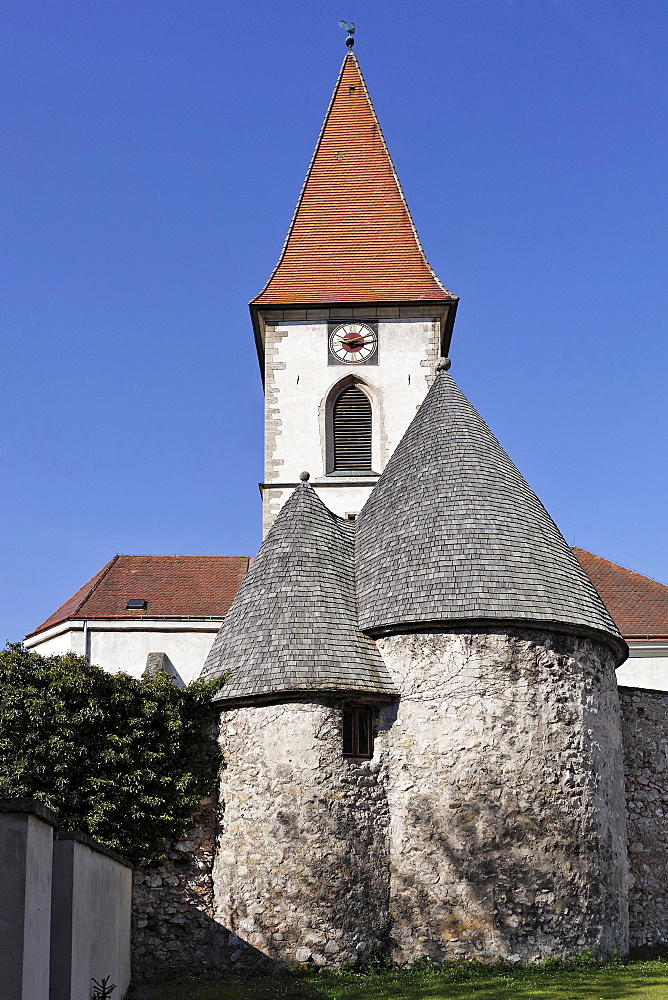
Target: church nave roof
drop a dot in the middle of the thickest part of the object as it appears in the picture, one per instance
(172, 586)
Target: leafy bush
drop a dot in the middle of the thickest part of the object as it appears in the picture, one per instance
(124, 760)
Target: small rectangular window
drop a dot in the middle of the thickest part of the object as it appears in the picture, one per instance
(357, 732)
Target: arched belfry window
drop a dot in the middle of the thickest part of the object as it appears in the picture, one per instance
(351, 426)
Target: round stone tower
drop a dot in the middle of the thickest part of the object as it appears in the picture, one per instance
(503, 767)
(301, 869)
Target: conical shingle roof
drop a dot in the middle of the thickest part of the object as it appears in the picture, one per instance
(352, 239)
(452, 533)
(292, 627)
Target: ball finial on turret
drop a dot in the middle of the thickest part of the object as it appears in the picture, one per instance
(443, 365)
(304, 476)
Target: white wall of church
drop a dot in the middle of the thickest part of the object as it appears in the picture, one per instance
(122, 646)
(56, 642)
(299, 384)
(646, 667)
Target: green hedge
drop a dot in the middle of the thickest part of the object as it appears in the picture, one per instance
(124, 760)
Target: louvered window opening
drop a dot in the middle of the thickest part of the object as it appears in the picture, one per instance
(352, 431)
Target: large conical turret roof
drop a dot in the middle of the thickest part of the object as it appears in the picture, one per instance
(292, 627)
(352, 239)
(452, 533)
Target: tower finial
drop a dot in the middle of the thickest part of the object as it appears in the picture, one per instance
(350, 28)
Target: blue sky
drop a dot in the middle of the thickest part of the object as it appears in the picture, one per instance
(152, 156)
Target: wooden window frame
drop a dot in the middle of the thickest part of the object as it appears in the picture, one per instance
(356, 711)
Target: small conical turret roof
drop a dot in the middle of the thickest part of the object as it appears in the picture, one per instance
(352, 239)
(292, 627)
(452, 533)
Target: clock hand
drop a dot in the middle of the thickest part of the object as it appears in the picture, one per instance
(355, 339)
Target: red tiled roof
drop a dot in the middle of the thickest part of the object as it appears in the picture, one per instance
(638, 604)
(352, 238)
(172, 586)
(204, 587)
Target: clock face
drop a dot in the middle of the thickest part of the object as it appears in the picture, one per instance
(353, 343)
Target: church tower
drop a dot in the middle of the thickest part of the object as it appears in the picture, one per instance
(352, 321)
(418, 706)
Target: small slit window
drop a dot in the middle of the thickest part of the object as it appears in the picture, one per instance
(352, 431)
(357, 732)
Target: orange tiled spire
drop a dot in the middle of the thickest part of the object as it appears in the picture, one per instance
(352, 239)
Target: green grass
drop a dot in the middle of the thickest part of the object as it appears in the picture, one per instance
(638, 980)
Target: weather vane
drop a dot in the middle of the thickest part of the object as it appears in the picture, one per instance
(350, 28)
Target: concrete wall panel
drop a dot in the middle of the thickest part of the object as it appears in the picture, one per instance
(25, 900)
(91, 927)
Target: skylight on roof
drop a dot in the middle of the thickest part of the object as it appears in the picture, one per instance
(136, 604)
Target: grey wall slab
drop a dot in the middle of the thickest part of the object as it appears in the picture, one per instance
(90, 935)
(26, 837)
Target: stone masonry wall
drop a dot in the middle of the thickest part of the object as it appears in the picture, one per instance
(503, 771)
(645, 735)
(490, 821)
(173, 930)
(301, 871)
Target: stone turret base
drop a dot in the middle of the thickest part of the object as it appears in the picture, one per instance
(504, 781)
(301, 870)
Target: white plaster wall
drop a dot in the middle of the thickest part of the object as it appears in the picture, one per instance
(299, 381)
(342, 500)
(127, 651)
(68, 640)
(646, 667)
(91, 939)
(123, 646)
